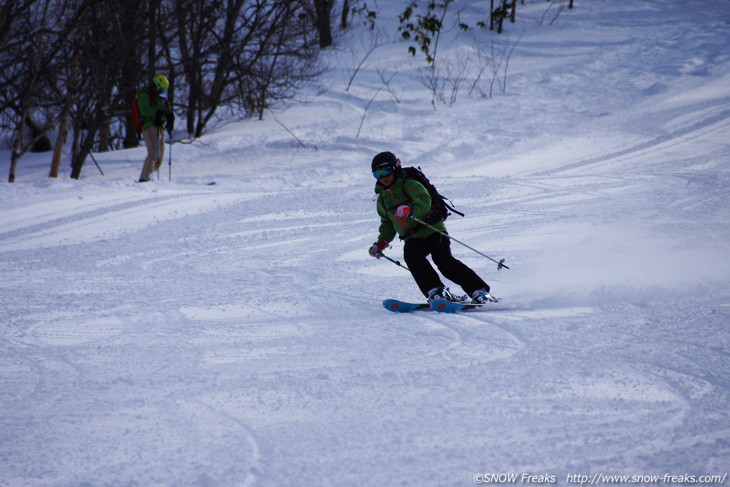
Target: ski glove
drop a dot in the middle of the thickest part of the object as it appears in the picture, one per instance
(403, 211)
(376, 248)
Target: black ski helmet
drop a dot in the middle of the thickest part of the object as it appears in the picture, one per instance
(385, 160)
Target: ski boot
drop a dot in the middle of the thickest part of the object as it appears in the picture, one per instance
(440, 293)
(482, 296)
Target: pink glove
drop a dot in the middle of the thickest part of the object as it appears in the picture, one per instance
(403, 211)
(376, 248)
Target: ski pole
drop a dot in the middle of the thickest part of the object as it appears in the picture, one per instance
(160, 135)
(169, 163)
(97, 164)
(396, 262)
(500, 263)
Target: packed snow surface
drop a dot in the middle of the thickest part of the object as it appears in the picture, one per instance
(182, 333)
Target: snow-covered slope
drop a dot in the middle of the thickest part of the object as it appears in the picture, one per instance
(231, 334)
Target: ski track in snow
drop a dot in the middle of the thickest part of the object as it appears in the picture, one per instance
(185, 334)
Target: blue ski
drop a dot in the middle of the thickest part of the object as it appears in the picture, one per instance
(397, 306)
(443, 306)
(440, 305)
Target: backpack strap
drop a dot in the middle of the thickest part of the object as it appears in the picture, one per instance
(448, 203)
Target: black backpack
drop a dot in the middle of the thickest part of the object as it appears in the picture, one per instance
(441, 207)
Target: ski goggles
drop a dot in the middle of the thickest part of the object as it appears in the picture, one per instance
(382, 173)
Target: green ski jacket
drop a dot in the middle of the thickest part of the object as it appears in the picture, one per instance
(404, 192)
(149, 104)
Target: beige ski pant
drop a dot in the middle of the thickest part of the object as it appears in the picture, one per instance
(154, 140)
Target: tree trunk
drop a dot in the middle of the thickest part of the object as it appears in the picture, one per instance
(151, 47)
(77, 162)
(322, 10)
(14, 157)
(58, 147)
(65, 114)
(17, 150)
(346, 14)
(130, 67)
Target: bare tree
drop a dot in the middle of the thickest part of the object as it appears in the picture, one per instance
(61, 63)
(284, 58)
(195, 23)
(102, 48)
(66, 108)
(356, 7)
(242, 55)
(75, 65)
(133, 28)
(362, 50)
(29, 47)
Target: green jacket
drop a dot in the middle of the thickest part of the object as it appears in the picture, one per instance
(404, 192)
(149, 104)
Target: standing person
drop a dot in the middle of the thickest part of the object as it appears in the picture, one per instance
(400, 198)
(155, 111)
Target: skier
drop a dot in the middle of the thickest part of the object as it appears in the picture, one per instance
(400, 198)
(155, 111)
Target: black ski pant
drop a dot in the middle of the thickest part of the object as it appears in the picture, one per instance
(438, 246)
